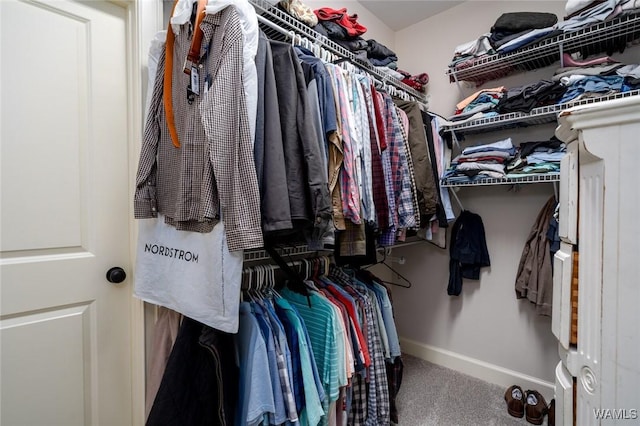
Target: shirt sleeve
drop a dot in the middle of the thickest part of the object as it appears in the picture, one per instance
(144, 200)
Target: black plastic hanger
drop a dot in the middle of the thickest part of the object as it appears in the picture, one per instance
(296, 283)
(399, 275)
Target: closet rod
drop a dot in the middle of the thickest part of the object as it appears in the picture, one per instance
(264, 269)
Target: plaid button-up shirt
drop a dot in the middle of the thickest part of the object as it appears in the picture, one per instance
(399, 164)
(351, 203)
(404, 120)
(211, 176)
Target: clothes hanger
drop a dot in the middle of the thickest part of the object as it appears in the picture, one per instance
(259, 281)
(250, 285)
(396, 273)
(272, 280)
(295, 282)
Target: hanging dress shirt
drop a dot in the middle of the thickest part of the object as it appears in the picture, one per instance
(212, 175)
(368, 206)
(387, 235)
(423, 173)
(249, 22)
(351, 204)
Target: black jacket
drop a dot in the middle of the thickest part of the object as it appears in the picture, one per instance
(468, 251)
(199, 385)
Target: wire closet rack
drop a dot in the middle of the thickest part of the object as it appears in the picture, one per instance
(279, 25)
(542, 177)
(541, 115)
(606, 36)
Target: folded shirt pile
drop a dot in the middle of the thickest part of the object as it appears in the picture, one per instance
(517, 30)
(482, 103)
(534, 158)
(300, 11)
(418, 81)
(599, 80)
(481, 161)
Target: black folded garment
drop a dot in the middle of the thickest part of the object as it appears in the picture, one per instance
(515, 22)
(527, 148)
(499, 38)
(332, 30)
(534, 95)
(355, 44)
(379, 50)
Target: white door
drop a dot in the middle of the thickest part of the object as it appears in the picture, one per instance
(65, 331)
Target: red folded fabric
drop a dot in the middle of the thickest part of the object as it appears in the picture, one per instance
(340, 17)
(422, 78)
(329, 14)
(413, 83)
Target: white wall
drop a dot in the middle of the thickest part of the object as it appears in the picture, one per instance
(486, 323)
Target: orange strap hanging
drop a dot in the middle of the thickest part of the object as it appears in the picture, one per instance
(196, 41)
(193, 57)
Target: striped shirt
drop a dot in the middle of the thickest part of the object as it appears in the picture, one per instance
(351, 203)
(324, 333)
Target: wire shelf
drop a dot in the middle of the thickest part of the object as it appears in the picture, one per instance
(610, 36)
(258, 255)
(276, 24)
(537, 116)
(543, 177)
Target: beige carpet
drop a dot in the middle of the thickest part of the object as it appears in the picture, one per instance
(431, 395)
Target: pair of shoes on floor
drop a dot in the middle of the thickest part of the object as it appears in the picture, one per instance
(530, 404)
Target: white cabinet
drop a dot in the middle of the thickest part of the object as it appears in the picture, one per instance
(606, 359)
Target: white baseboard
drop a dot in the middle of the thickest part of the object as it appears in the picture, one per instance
(475, 368)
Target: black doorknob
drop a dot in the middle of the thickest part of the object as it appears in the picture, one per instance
(116, 275)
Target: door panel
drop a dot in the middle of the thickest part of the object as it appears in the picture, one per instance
(65, 330)
(59, 374)
(561, 317)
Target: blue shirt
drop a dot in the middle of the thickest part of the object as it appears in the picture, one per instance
(325, 89)
(387, 316)
(296, 363)
(278, 398)
(255, 393)
(282, 347)
(313, 410)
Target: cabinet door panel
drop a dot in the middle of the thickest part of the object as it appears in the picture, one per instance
(568, 227)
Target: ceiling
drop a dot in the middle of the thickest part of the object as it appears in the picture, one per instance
(401, 14)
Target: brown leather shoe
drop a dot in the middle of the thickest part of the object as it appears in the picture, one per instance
(515, 401)
(551, 415)
(535, 407)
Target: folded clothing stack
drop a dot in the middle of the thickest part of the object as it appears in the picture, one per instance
(340, 17)
(300, 11)
(484, 102)
(533, 158)
(418, 81)
(380, 55)
(481, 161)
(527, 97)
(516, 29)
(603, 78)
